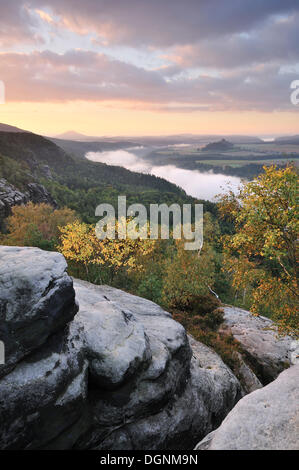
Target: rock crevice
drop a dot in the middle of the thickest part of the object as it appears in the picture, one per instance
(94, 367)
(267, 419)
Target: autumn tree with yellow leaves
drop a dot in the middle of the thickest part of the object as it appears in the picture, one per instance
(262, 255)
(79, 243)
(36, 225)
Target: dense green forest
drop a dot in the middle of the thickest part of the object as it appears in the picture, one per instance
(75, 182)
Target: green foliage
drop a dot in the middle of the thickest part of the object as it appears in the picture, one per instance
(202, 320)
(78, 183)
(261, 255)
(15, 172)
(36, 225)
(249, 256)
(198, 304)
(150, 287)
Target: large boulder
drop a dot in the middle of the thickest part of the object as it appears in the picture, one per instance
(42, 401)
(267, 352)
(150, 389)
(37, 299)
(121, 374)
(267, 419)
(116, 343)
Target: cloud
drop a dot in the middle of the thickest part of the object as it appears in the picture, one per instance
(277, 41)
(84, 75)
(75, 75)
(155, 23)
(218, 56)
(163, 23)
(17, 24)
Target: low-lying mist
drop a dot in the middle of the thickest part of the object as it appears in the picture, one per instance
(195, 183)
(121, 158)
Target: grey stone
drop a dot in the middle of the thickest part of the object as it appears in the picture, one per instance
(269, 353)
(45, 394)
(36, 299)
(39, 194)
(165, 411)
(267, 419)
(116, 344)
(120, 374)
(136, 305)
(10, 196)
(246, 376)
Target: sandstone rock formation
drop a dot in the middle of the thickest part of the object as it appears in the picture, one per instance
(38, 194)
(248, 380)
(267, 419)
(93, 367)
(11, 196)
(146, 393)
(268, 352)
(120, 375)
(43, 398)
(36, 300)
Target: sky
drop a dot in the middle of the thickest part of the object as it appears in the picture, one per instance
(140, 67)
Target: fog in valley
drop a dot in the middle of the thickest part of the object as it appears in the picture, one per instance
(195, 183)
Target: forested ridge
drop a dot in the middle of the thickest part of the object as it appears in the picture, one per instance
(75, 182)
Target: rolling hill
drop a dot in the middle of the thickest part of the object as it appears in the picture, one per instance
(8, 128)
(80, 148)
(290, 140)
(75, 182)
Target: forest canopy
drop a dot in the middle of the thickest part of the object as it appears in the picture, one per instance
(249, 256)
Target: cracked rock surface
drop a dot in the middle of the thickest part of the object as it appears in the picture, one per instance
(267, 419)
(269, 352)
(37, 299)
(119, 373)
